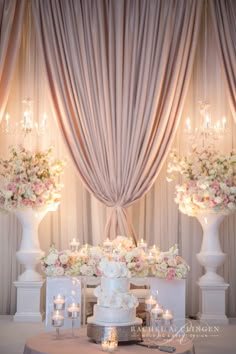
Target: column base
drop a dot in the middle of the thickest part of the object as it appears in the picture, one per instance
(212, 303)
(30, 301)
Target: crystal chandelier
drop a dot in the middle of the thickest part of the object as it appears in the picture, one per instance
(207, 133)
(27, 124)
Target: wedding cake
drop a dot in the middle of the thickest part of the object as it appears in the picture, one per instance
(115, 304)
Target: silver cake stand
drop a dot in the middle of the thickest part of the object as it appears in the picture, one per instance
(131, 332)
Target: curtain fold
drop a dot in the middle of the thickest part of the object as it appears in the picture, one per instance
(118, 73)
(11, 20)
(224, 20)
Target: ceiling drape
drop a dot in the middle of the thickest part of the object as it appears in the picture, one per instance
(11, 19)
(224, 19)
(118, 74)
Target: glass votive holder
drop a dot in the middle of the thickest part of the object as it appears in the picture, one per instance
(109, 345)
(57, 320)
(167, 318)
(73, 311)
(59, 302)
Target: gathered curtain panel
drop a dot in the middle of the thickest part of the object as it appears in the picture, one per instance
(118, 73)
(224, 19)
(11, 21)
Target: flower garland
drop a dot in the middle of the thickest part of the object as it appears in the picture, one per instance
(208, 181)
(115, 261)
(29, 179)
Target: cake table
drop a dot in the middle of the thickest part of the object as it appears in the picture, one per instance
(46, 343)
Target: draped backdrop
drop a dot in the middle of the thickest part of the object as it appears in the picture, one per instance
(121, 77)
(118, 74)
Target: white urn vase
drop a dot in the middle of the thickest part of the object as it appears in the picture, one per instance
(30, 253)
(211, 255)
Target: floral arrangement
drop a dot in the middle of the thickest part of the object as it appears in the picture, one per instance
(208, 181)
(29, 179)
(116, 261)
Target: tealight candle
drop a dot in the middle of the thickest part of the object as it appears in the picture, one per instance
(142, 244)
(74, 245)
(107, 242)
(73, 311)
(104, 344)
(167, 318)
(156, 312)
(57, 319)
(59, 302)
(150, 302)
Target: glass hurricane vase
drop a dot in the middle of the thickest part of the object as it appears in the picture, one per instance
(30, 253)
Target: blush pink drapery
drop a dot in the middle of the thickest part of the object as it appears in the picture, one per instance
(11, 19)
(118, 72)
(224, 19)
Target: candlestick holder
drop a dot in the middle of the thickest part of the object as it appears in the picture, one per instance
(73, 313)
(57, 319)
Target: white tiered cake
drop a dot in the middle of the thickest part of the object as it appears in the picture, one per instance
(116, 306)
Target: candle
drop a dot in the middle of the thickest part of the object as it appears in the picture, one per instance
(224, 122)
(156, 312)
(167, 318)
(57, 319)
(74, 245)
(150, 302)
(59, 302)
(104, 345)
(188, 124)
(207, 121)
(73, 311)
(109, 345)
(142, 244)
(107, 242)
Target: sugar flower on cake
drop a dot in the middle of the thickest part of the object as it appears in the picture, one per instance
(208, 181)
(113, 269)
(29, 179)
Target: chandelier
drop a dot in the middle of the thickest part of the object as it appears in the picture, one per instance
(27, 124)
(208, 132)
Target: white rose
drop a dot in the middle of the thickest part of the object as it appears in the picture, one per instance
(63, 258)
(51, 258)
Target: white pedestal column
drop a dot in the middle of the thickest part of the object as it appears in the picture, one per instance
(30, 301)
(212, 303)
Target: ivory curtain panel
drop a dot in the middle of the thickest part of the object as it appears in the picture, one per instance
(118, 73)
(11, 18)
(224, 20)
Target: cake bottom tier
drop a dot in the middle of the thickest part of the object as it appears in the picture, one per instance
(114, 315)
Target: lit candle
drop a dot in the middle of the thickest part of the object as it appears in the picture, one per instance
(74, 245)
(73, 311)
(207, 121)
(150, 257)
(107, 242)
(156, 312)
(104, 344)
(142, 244)
(188, 124)
(57, 319)
(224, 122)
(150, 302)
(167, 318)
(7, 119)
(59, 302)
